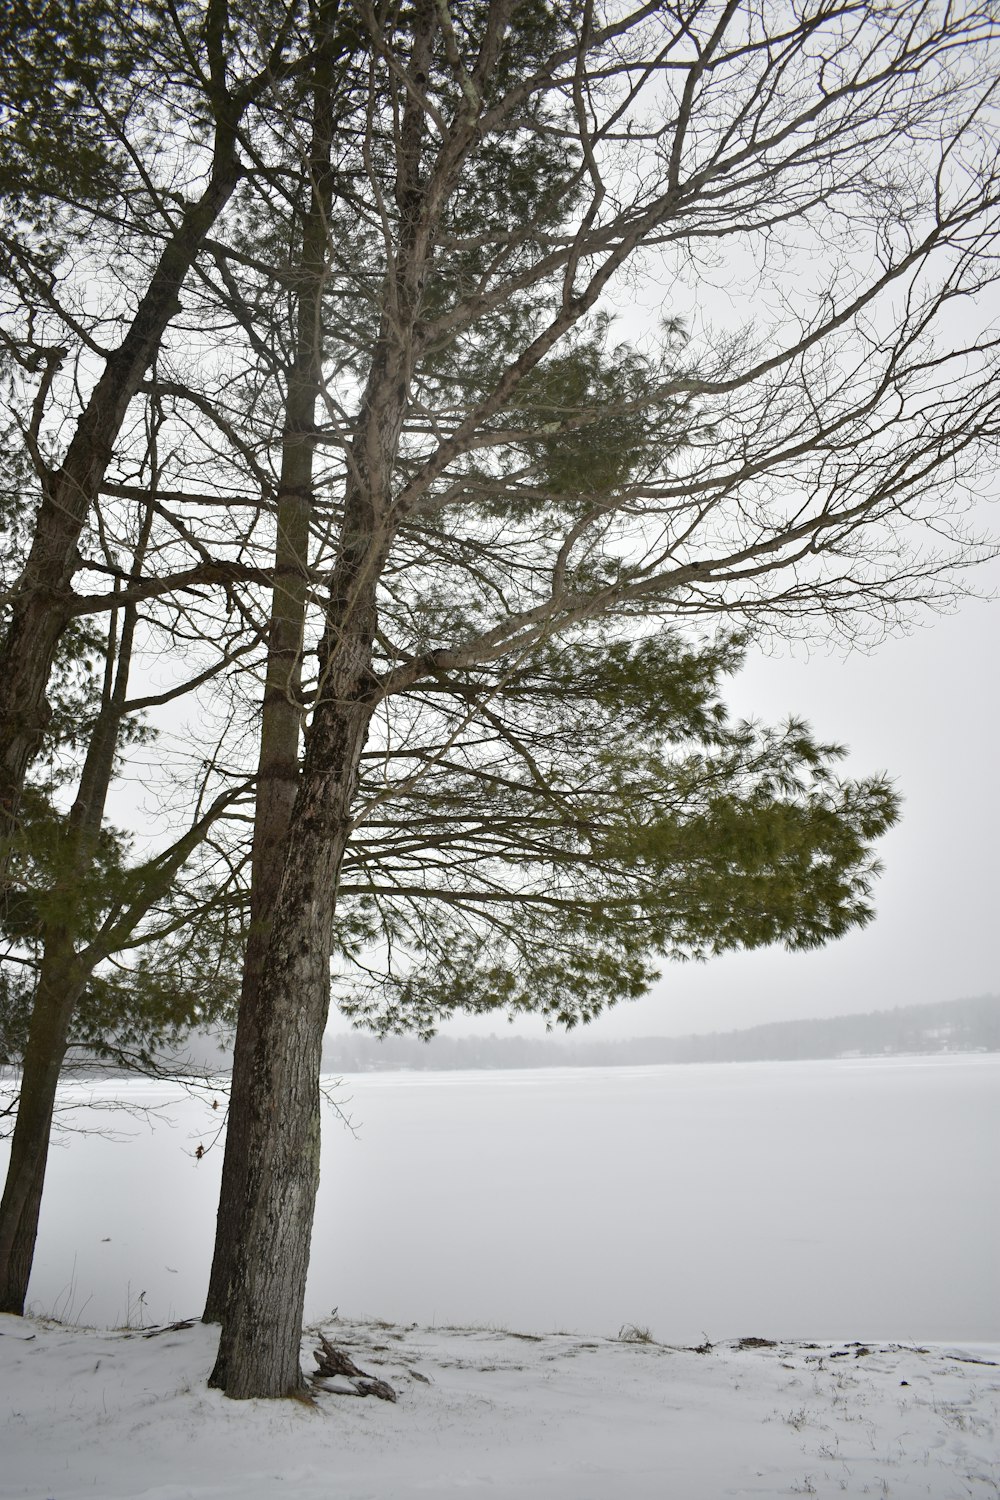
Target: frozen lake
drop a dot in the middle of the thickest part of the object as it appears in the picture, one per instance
(832, 1200)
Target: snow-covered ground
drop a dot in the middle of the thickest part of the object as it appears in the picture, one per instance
(492, 1413)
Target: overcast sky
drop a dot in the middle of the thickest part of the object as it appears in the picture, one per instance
(923, 708)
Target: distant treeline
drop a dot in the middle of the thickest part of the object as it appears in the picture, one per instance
(970, 1025)
(948, 1026)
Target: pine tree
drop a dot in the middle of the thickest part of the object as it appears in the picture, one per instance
(510, 487)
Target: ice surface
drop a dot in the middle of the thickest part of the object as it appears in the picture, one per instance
(821, 1200)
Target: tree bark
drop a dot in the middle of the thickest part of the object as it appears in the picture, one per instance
(15, 1272)
(262, 1326)
(59, 989)
(262, 1322)
(277, 779)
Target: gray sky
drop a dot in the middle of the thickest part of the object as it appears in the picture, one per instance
(923, 708)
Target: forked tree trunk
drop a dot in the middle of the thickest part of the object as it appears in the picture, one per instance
(278, 761)
(262, 1323)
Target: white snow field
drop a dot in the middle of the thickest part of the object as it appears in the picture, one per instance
(847, 1210)
(494, 1414)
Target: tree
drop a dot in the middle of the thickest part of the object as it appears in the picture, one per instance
(513, 486)
(299, 376)
(74, 901)
(120, 147)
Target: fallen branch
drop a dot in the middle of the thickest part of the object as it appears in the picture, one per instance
(331, 1362)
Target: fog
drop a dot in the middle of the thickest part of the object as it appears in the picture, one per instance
(848, 1199)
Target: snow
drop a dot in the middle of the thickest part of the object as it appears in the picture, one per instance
(814, 1204)
(561, 1417)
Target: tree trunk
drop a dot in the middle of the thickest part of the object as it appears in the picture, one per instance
(281, 721)
(38, 617)
(15, 1273)
(262, 1326)
(277, 778)
(59, 988)
(262, 1323)
(62, 974)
